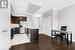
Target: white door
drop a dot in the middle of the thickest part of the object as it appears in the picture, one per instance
(4, 39)
(4, 18)
(4, 29)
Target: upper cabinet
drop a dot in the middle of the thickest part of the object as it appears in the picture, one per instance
(14, 20)
(3, 3)
(17, 19)
(23, 18)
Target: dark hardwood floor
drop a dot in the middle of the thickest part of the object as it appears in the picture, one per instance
(45, 43)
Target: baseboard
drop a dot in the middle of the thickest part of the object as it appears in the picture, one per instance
(73, 40)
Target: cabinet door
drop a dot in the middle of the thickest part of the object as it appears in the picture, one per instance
(14, 20)
(34, 35)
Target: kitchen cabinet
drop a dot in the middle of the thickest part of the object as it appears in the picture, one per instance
(23, 18)
(33, 35)
(14, 20)
(15, 31)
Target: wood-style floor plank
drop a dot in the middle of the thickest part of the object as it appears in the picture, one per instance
(45, 43)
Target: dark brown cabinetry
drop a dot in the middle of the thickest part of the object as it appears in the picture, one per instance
(14, 31)
(17, 19)
(22, 18)
(34, 35)
(14, 20)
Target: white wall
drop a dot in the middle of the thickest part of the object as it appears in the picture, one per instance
(67, 17)
(54, 19)
(49, 22)
(46, 26)
(30, 22)
(14, 25)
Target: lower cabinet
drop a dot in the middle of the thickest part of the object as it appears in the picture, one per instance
(34, 35)
(14, 31)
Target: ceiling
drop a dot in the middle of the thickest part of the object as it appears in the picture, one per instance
(39, 6)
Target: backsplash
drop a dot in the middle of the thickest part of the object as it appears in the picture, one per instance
(14, 25)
